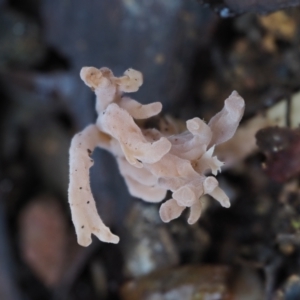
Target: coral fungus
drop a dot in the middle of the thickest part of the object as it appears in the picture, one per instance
(150, 160)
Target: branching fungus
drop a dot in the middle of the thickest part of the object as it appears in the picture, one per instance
(150, 160)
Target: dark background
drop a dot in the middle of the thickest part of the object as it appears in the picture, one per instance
(192, 55)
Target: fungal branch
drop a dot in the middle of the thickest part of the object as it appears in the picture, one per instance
(152, 161)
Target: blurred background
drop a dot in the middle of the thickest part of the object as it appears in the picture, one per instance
(192, 54)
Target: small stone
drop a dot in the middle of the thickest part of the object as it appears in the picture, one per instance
(292, 288)
(188, 283)
(149, 245)
(287, 248)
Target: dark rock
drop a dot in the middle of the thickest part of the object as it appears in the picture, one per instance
(229, 8)
(20, 40)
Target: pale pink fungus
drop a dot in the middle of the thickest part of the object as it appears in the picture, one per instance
(150, 160)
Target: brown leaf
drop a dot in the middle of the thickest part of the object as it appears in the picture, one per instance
(43, 239)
